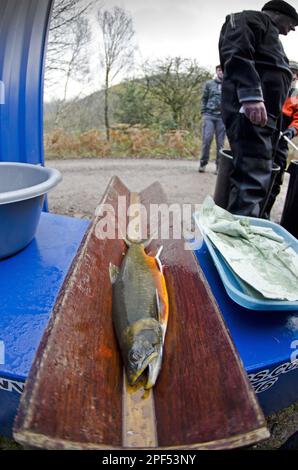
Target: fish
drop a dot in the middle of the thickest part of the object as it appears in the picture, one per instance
(140, 309)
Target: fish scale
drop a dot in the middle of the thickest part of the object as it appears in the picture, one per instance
(136, 317)
(138, 279)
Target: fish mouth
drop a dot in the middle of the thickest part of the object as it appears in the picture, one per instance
(135, 376)
(153, 371)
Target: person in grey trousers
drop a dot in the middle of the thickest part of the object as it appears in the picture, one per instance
(212, 121)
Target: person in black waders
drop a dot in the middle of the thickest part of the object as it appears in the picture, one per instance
(289, 129)
(256, 82)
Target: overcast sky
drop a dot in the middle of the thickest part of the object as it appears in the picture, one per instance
(186, 28)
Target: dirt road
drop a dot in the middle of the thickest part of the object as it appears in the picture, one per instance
(84, 182)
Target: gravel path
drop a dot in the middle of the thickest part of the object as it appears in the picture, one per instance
(84, 182)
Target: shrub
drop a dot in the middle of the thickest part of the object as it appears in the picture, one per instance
(125, 141)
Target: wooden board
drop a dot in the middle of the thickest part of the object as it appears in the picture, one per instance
(76, 397)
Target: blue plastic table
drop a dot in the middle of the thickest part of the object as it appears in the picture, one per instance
(30, 282)
(267, 342)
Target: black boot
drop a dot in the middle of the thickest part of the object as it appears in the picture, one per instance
(250, 179)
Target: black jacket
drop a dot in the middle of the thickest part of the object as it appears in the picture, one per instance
(255, 65)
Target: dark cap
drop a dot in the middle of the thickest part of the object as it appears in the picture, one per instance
(282, 7)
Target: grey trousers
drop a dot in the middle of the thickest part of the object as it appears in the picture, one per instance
(212, 125)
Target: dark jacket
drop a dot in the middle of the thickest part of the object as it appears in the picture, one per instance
(254, 63)
(211, 98)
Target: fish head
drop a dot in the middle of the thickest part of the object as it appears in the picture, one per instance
(143, 344)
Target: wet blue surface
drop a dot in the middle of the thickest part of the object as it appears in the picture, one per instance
(263, 338)
(29, 284)
(267, 342)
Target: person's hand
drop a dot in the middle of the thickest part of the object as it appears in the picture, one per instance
(290, 133)
(256, 112)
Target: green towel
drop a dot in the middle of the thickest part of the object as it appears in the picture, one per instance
(258, 255)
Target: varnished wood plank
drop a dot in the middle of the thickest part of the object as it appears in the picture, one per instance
(74, 390)
(139, 422)
(75, 396)
(203, 394)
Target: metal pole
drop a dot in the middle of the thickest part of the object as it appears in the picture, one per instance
(289, 141)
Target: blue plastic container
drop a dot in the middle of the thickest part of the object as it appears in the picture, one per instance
(234, 286)
(22, 191)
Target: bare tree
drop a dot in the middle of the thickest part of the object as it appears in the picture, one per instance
(177, 82)
(64, 14)
(62, 40)
(116, 49)
(77, 64)
(66, 11)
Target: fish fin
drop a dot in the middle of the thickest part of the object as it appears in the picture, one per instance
(158, 304)
(157, 257)
(127, 241)
(114, 271)
(154, 253)
(142, 241)
(146, 242)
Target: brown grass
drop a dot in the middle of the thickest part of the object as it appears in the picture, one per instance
(125, 141)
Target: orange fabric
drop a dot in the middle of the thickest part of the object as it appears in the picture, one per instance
(290, 109)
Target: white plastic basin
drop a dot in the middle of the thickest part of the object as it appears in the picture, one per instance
(22, 191)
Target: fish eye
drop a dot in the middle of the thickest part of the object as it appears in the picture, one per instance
(135, 355)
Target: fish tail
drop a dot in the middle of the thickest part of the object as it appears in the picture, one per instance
(137, 241)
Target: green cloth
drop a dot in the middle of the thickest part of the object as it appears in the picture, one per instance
(258, 255)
